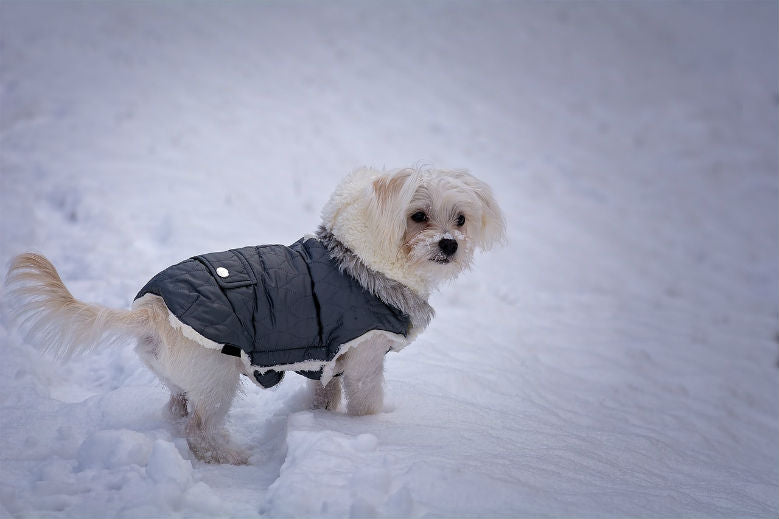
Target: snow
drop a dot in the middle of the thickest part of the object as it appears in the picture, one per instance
(617, 358)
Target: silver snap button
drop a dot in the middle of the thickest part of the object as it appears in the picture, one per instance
(222, 272)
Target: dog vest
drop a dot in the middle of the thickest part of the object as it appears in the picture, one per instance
(281, 305)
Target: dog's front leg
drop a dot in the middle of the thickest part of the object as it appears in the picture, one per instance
(363, 377)
(326, 397)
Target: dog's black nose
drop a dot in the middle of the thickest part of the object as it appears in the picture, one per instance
(448, 246)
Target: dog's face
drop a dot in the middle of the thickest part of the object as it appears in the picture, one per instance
(448, 216)
(420, 227)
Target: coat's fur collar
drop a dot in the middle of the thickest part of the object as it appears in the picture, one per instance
(388, 290)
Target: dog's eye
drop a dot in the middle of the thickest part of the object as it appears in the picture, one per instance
(461, 220)
(419, 217)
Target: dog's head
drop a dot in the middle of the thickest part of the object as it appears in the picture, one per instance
(419, 227)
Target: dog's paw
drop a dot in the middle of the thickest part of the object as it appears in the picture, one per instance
(362, 407)
(235, 456)
(207, 452)
(365, 400)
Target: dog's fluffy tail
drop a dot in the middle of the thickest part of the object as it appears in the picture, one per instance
(54, 319)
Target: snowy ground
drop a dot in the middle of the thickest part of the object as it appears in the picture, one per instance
(617, 358)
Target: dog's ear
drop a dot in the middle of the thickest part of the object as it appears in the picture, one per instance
(492, 225)
(389, 188)
(389, 195)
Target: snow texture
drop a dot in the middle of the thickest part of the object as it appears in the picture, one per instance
(617, 358)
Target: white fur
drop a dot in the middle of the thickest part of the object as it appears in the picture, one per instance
(370, 213)
(373, 225)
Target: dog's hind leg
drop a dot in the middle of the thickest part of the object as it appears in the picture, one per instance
(206, 436)
(214, 382)
(202, 382)
(150, 350)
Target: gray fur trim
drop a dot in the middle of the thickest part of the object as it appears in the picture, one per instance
(388, 290)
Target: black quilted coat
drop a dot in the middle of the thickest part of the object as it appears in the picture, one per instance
(281, 305)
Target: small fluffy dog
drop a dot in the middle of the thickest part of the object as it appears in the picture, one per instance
(329, 306)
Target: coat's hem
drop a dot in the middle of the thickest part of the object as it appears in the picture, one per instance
(396, 343)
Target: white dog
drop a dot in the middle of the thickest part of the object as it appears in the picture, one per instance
(329, 305)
